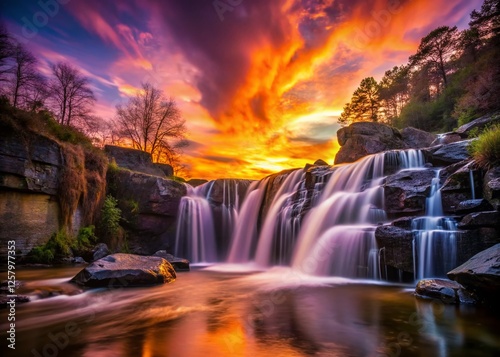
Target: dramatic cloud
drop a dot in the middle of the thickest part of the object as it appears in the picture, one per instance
(260, 83)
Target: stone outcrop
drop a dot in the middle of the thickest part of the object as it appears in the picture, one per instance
(134, 160)
(149, 205)
(364, 138)
(126, 270)
(416, 138)
(478, 124)
(481, 273)
(444, 155)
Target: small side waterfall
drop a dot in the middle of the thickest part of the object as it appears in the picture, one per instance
(195, 237)
(206, 219)
(472, 185)
(435, 238)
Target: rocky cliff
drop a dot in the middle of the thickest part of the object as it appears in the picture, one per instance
(147, 198)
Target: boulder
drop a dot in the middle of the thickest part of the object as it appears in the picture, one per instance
(417, 139)
(406, 191)
(100, 251)
(478, 124)
(365, 138)
(449, 292)
(396, 247)
(179, 264)
(491, 187)
(149, 205)
(132, 159)
(481, 273)
(404, 222)
(320, 162)
(480, 219)
(122, 270)
(444, 155)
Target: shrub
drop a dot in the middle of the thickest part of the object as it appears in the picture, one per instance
(486, 149)
(110, 216)
(56, 248)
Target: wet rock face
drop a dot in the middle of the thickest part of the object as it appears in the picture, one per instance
(481, 273)
(125, 270)
(491, 187)
(406, 191)
(444, 155)
(364, 138)
(396, 243)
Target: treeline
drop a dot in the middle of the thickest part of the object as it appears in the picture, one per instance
(149, 121)
(453, 78)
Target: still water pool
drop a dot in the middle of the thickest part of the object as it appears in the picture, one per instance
(220, 311)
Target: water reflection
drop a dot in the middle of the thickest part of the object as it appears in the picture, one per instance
(207, 313)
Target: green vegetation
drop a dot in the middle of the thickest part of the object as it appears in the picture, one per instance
(62, 245)
(486, 149)
(453, 78)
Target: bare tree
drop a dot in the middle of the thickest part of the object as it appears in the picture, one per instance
(151, 122)
(6, 46)
(70, 93)
(24, 77)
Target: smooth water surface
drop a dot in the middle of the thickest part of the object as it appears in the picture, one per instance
(219, 312)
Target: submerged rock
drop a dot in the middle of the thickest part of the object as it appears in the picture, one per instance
(126, 270)
(481, 273)
(449, 292)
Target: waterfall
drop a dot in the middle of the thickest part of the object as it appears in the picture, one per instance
(435, 238)
(206, 220)
(195, 235)
(338, 234)
(282, 223)
(472, 185)
(245, 234)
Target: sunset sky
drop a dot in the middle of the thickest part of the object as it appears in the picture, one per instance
(259, 82)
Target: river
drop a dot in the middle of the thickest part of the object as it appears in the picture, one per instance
(223, 311)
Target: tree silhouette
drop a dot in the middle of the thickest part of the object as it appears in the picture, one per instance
(364, 104)
(152, 123)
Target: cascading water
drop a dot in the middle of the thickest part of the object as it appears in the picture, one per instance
(338, 234)
(206, 219)
(435, 238)
(195, 237)
(245, 234)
